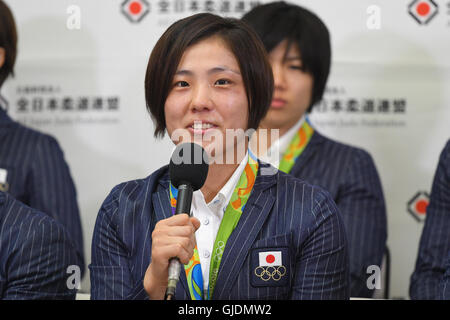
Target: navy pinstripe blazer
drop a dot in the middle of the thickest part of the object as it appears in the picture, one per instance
(39, 177)
(431, 277)
(445, 283)
(282, 214)
(350, 175)
(35, 252)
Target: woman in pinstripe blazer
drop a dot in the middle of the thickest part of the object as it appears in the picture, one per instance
(32, 165)
(207, 75)
(299, 50)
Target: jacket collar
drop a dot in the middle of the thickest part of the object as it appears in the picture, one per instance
(263, 179)
(314, 144)
(255, 213)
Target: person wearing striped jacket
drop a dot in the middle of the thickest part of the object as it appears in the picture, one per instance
(32, 165)
(37, 257)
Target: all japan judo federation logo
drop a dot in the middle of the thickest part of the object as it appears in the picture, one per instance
(423, 10)
(417, 206)
(135, 10)
(270, 266)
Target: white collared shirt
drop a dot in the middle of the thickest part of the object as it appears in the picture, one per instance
(210, 216)
(278, 148)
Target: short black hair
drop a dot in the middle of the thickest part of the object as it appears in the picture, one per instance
(8, 41)
(278, 21)
(242, 41)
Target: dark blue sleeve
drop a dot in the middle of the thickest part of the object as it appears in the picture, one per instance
(110, 272)
(434, 247)
(38, 260)
(445, 283)
(322, 266)
(52, 190)
(361, 203)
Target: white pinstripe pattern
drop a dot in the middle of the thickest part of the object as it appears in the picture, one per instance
(350, 175)
(432, 271)
(39, 177)
(35, 252)
(281, 211)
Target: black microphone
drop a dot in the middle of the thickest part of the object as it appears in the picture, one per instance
(188, 170)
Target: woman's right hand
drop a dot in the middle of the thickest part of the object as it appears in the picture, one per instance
(172, 237)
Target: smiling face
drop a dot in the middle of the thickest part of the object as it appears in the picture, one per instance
(292, 90)
(207, 95)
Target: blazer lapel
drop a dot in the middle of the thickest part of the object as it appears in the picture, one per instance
(161, 206)
(256, 210)
(161, 203)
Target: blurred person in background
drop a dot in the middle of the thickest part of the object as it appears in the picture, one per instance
(431, 277)
(298, 44)
(36, 254)
(32, 165)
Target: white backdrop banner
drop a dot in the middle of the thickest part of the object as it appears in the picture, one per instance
(80, 77)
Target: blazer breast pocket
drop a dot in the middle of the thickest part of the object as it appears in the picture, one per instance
(271, 262)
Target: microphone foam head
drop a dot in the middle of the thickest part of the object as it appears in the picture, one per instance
(189, 164)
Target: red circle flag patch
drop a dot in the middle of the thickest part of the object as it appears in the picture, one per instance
(270, 258)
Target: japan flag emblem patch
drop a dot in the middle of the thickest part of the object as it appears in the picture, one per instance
(270, 259)
(270, 266)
